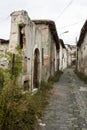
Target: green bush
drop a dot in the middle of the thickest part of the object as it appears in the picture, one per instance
(41, 97)
(56, 77)
(17, 110)
(4, 78)
(81, 76)
(46, 86)
(1, 80)
(20, 111)
(15, 67)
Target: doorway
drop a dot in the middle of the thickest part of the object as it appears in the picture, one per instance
(36, 68)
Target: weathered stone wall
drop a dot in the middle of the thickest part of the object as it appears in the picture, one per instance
(50, 55)
(52, 50)
(28, 40)
(39, 46)
(85, 55)
(82, 56)
(45, 50)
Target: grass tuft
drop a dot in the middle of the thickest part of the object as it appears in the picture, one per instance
(56, 77)
(81, 76)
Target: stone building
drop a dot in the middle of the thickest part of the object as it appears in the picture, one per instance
(82, 50)
(50, 47)
(39, 43)
(25, 34)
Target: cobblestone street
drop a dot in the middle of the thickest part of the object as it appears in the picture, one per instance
(67, 108)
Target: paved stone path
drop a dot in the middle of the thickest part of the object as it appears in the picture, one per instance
(67, 108)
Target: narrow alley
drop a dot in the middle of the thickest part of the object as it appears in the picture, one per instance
(42, 43)
(67, 108)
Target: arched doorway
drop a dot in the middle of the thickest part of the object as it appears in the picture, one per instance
(36, 68)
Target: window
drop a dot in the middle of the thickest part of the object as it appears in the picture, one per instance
(22, 39)
(26, 85)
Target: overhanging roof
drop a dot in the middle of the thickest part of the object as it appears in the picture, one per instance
(62, 43)
(3, 41)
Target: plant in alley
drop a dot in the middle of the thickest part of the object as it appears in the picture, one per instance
(81, 76)
(19, 110)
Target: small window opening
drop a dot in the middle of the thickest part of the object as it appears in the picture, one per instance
(26, 85)
(22, 39)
